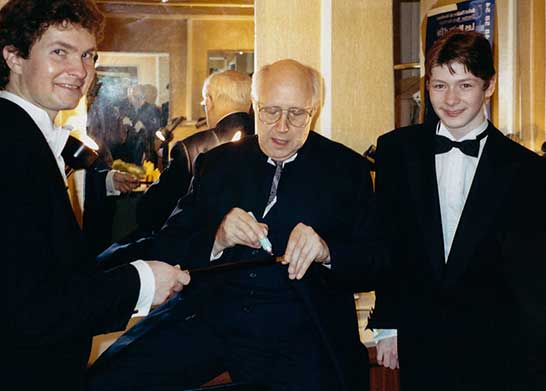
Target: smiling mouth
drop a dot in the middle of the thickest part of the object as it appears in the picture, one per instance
(75, 87)
(453, 113)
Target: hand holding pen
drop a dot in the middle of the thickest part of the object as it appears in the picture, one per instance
(264, 241)
(305, 246)
(239, 227)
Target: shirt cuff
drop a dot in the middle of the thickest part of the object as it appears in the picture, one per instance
(110, 188)
(147, 288)
(379, 334)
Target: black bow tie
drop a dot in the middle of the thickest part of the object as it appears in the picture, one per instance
(469, 147)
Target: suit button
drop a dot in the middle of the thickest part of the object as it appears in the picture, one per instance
(251, 293)
(252, 275)
(246, 309)
(254, 252)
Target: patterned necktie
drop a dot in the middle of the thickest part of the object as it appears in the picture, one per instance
(469, 147)
(274, 184)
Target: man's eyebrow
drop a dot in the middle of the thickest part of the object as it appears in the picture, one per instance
(437, 80)
(71, 47)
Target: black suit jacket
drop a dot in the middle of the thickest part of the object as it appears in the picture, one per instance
(327, 187)
(158, 202)
(476, 322)
(56, 300)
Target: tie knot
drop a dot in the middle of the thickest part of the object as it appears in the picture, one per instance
(443, 144)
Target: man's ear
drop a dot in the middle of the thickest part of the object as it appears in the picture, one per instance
(209, 102)
(12, 58)
(491, 87)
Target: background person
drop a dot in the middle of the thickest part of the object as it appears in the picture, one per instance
(226, 100)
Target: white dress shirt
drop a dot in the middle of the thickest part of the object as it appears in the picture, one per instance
(455, 173)
(56, 139)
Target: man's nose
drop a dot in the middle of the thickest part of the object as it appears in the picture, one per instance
(451, 96)
(77, 68)
(283, 122)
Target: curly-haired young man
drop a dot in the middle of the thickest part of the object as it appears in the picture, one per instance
(56, 300)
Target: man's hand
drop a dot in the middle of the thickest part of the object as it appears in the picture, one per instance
(387, 352)
(304, 246)
(238, 227)
(169, 280)
(124, 182)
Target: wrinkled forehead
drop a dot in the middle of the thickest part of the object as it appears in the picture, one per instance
(285, 88)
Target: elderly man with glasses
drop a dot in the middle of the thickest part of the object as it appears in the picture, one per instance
(289, 325)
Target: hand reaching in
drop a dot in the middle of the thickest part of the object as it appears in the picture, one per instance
(169, 280)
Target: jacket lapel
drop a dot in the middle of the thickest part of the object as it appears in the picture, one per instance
(45, 159)
(255, 177)
(423, 184)
(491, 181)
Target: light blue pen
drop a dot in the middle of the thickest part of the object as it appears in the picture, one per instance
(264, 242)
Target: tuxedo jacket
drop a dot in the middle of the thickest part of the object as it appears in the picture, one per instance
(56, 300)
(158, 202)
(327, 187)
(477, 321)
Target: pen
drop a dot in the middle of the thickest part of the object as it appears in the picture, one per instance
(264, 242)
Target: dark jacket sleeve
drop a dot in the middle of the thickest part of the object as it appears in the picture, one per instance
(185, 239)
(360, 260)
(385, 313)
(55, 292)
(158, 202)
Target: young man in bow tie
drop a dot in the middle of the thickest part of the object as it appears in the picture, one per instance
(465, 294)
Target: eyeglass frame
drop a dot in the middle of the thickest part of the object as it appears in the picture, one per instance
(309, 111)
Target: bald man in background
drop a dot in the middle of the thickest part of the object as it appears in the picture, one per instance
(226, 101)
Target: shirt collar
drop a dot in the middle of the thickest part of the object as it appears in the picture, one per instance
(55, 136)
(442, 131)
(226, 115)
(290, 159)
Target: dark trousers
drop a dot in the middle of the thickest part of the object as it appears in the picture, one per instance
(184, 353)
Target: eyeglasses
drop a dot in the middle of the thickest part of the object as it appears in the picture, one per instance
(296, 116)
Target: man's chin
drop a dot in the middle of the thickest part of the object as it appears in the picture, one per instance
(69, 104)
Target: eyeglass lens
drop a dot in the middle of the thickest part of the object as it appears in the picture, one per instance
(296, 116)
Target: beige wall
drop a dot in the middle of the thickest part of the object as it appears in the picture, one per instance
(288, 29)
(362, 69)
(214, 34)
(340, 39)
